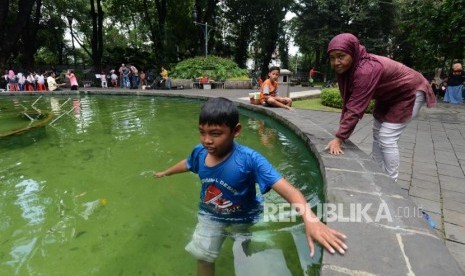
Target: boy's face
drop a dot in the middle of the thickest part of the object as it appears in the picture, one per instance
(218, 139)
(274, 75)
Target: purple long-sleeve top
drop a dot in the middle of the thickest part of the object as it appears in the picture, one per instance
(391, 84)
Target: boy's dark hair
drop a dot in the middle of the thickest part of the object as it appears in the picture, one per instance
(272, 68)
(219, 111)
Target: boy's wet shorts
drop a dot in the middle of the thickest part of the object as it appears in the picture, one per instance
(209, 236)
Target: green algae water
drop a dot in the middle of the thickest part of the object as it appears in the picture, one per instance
(81, 199)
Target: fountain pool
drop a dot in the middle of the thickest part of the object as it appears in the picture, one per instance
(81, 199)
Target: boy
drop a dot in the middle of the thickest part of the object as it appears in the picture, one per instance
(228, 172)
(269, 91)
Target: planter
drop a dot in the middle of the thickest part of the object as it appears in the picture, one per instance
(238, 84)
(186, 83)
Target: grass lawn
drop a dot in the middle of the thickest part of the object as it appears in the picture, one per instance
(313, 104)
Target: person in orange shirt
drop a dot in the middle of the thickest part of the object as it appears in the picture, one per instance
(269, 91)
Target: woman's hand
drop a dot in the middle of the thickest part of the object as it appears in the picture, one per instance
(335, 146)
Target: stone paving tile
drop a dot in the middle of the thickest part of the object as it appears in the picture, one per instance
(443, 146)
(460, 154)
(452, 195)
(423, 157)
(425, 184)
(420, 165)
(454, 206)
(405, 167)
(426, 172)
(415, 247)
(454, 232)
(454, 217)
(452, 183)
(427, 205)
(384, 256)
(446, 158)
(403, 184)
(406, 159)
(424, 193)
(458, 251)
(405, 176)
(450, 170)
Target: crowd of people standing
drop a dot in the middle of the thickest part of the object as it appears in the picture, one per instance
(37, 81)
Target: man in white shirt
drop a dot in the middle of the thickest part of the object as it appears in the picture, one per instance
(52, 84)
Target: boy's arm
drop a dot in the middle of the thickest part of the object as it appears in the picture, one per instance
(178, 168)
(314, 228)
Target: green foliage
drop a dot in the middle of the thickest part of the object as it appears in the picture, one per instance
(213, 67)
(332, 98)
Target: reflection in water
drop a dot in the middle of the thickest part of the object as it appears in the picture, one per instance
(29, 201)
(83, 113)
(33, 211)
(91, 206)
(21, 253)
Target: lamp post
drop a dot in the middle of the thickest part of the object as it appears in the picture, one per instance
(70, 21)
(205, 30)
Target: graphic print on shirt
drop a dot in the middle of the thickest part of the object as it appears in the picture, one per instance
(214, 200)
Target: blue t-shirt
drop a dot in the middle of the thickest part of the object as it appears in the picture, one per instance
(228, 189)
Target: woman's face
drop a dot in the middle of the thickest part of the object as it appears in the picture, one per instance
(340, 61)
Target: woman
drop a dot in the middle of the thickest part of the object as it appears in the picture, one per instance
(72, 79)
(455, 85)
(398, 91)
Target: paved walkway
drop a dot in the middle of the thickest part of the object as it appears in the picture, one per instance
(432, 168)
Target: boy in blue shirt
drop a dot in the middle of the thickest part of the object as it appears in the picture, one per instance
(229, 172)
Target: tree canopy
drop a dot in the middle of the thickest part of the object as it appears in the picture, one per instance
(425, 34)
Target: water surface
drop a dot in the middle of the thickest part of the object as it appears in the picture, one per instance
(82, 198)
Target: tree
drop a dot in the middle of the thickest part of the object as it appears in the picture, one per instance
(12, 26)
(96, 40)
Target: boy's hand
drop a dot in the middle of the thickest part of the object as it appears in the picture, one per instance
(159, 174)
(331, 239)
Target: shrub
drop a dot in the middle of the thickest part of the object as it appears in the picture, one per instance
(332, 98)
(216, 68)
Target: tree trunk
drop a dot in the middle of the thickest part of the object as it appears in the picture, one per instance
(10, 33)
(97, 34)
(29, 37)
(160, 42)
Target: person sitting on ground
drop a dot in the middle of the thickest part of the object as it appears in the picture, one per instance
(443, 88)
(229, 173)
(269, 91)
(142, 79)
(165, 79)
(52, 84)
(455, 83)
